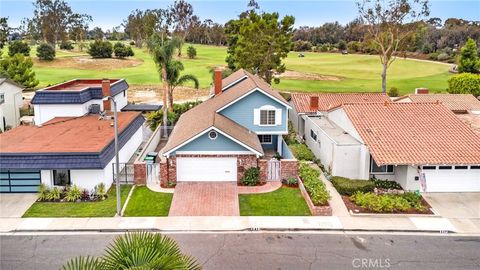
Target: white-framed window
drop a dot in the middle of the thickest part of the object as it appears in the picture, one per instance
(61, 177)
(212, 135)
(265, 139)
(267, 117)
(385, 169)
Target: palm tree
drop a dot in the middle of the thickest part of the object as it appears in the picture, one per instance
(140, 250)
(174, 79)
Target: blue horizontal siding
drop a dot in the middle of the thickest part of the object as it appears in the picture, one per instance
(205, 144)
(75, 97)
(242, 112)
(49, 161)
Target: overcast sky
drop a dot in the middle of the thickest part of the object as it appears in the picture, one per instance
(110, 13)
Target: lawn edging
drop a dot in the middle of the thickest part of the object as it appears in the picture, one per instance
(127, 200)
(314, 210)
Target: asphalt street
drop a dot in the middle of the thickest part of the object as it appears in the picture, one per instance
(263, 250)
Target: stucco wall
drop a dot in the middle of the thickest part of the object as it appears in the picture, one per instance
(10, 109)
(340, 118)
(405, 176)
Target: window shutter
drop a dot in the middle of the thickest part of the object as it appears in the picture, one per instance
(256, 116)
(278, 117)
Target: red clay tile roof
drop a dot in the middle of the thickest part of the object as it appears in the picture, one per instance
(414, 133)
(86, 134)
(455, 102)
(204, 116)
(327, 101)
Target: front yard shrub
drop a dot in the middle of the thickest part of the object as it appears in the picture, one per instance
(43, 192)
(385, 184)
(346, 186)
(251, 177)
(291, 181)
(315, 188)
(55, 194)
(302, 152)
(100, 191)
(100, 49)
(73, 194)
(18, 46)
(388, 202)
(45, 52)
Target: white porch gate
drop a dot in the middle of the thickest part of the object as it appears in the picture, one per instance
(273, 170)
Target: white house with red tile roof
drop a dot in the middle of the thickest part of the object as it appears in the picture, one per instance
(422, 146)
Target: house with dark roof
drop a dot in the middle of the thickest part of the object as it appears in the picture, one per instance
(239, 127)
(306, 104)
(422, 146)
(70, 144)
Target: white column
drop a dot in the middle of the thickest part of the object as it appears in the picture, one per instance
(279, 144)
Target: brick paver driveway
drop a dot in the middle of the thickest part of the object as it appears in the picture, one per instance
(205, 199)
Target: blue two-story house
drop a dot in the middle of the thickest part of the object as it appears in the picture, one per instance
(241, 124)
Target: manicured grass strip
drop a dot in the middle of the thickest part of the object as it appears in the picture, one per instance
(147, 203)
(106, 208)
(281, 202)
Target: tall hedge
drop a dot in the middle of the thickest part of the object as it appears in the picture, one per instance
(100, 49)
(45, 52)
(465, 83)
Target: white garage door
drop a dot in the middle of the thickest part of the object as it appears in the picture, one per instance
(207, 169)
(453, 180)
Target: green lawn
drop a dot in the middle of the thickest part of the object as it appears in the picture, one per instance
(106, 208)
(282, 202)
(356, 73)
(145, 203)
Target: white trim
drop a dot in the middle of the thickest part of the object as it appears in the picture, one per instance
(167, 154)
(206, 153)
(272, 132)
(234, 82)
(214, 132)
(251, 91)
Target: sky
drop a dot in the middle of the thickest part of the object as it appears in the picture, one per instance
(111, 13)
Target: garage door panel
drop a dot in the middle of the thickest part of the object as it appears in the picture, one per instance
(207, 169)
(453, 180)
(15, 180)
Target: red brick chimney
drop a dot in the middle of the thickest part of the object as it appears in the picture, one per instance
(421, 90)
(217, 81)
(314, 103)
(106, 93)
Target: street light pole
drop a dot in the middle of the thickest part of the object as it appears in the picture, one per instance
(117, 162)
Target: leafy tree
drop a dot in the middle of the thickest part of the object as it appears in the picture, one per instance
(45, 51)
(174, 79)
(100, 49)
(389, 23)
(139, 250)
(96, 33)
(182, 12)
(19, 69)
(79, 26)
(259, 43)
(66, 45)
(464, 83)
(4, 31)
(18, 46)
(469, 60)
(140, 25)
(393, 92)
(342, 45)
(122, 51)
(191, 52)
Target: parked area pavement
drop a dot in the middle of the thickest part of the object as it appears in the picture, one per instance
(455, 205)
(263, 250)
(15, 204)
(205, 199)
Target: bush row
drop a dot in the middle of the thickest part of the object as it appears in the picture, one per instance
(71, 193)
(346, 186)
(302, 152)
(388, 202)
(315, 188)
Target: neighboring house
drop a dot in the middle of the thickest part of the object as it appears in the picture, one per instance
(239, 127)
(304, 105)
(465, 106)
(10, 103)
(78, 97)
(68, 150)
(422, 146)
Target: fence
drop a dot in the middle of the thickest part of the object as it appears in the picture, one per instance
(126, 175)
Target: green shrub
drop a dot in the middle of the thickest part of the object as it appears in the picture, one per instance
(291, 181)
(66, 45)
(156, 118)
(18, 46)
(122, 51)
(469, 60)
(433, 56)
(251, 176)
(302, 152)
(302, 46)
(100, 49)
(43, 192)
(55, 194)
(100, 191)
(45, 52)
(191, 52)
(354, 46)
(393, 92)
(315, 188)
(346, 186)
(386, 184)
(73, 194)
(387, 202)
(443, 57)
(465, 83)
(342, 45)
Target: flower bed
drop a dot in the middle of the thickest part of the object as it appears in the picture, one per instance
(71, 194)
(369, 202)
(314, 191)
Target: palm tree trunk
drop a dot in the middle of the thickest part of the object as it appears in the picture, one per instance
(165, 100)
(170, 99)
